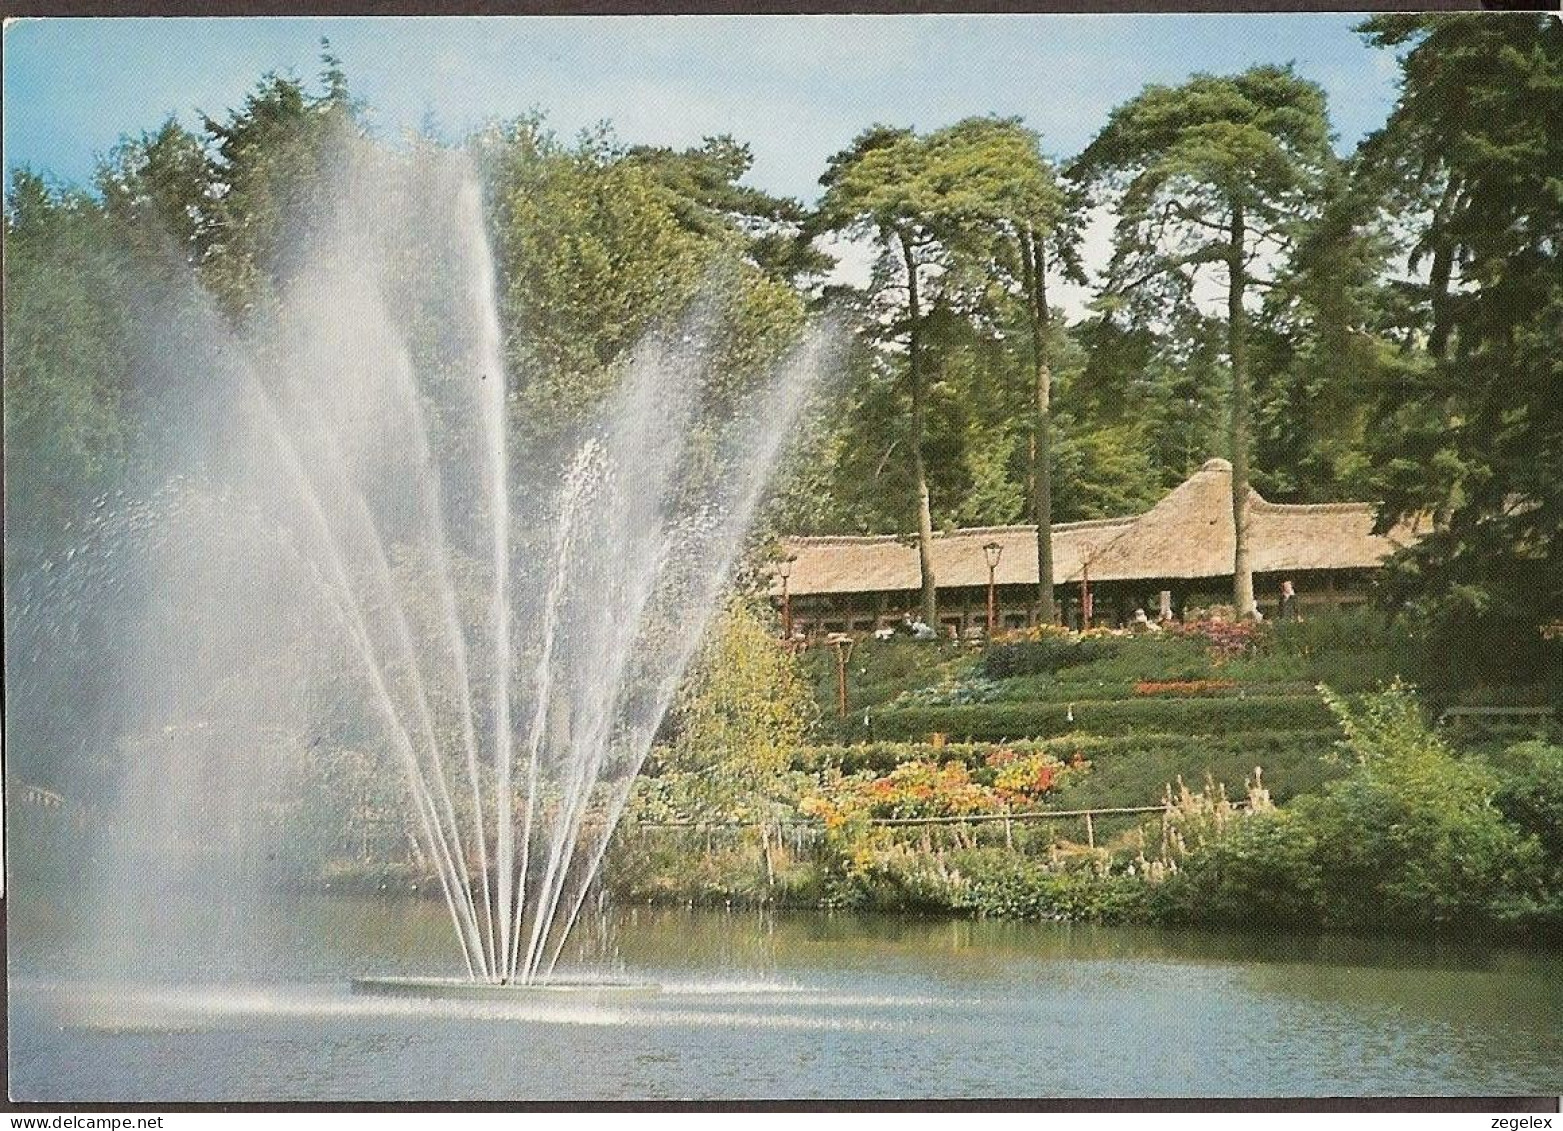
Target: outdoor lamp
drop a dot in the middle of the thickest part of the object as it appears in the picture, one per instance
(784, 571)
(991, 551)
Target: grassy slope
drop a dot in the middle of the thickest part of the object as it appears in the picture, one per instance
(1269, 717)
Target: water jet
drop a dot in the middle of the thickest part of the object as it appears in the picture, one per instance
(370, 558)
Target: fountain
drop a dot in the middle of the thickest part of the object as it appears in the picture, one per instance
(366, 550)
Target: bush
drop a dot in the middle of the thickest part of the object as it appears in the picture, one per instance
(1048, 689)
(1045, 656)
(1354, 630)
(1530, 794)
(879, 670)
(1223, 638)
(996, 722)
(1002, 884)
(1157, 656)
(1127, 769)
(951, 692)
(1411, 835)
(710, 868)
(1260, 869)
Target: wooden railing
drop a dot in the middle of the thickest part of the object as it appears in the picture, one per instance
(1089, 816)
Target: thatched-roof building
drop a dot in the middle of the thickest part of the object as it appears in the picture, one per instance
(1182, 546)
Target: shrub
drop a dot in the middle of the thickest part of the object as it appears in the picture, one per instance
(1258, 869)
(895, 879)
(950, 692)
(1134, 769)
(1147, 687)
(1007, 781)
(993, 722)
(1045, 656)
(1224, 638)
(1002, 884)
(879, 670)
(1354, 630)
(1530, 794)
(1049, 689)
(1125, 769)
(1343, 670)
(1411, 834)
(1156, 656)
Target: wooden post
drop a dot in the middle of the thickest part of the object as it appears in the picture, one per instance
(1090, 832)
(786, 611)
(993, 607)
(841, 681)
(842, 642)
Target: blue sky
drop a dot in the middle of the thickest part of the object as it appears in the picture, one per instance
(796, 88)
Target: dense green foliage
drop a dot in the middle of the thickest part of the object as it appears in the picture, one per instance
(1396, 339)
(1241, 157)
(739, 717)
(1400, 832)
(1353, 651)
(996, 722)
(1413, 283)
(1475, 427)
(1126, 770)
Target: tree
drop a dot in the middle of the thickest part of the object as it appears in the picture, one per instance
(1016, 196)
(1323, 352)
(1411, 834)
(880, 185)
(68, 431)
(741, 714)
(593, 249)
(931, 203)
(1218, 171)
(705, 196)
(272, 167)
(155, 188)
(1474, 437)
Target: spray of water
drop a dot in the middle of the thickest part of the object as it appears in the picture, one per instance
(502, 629)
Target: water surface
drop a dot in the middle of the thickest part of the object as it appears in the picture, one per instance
(765, 1005)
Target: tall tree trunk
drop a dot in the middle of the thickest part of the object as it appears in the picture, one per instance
(1441, 325)
(1439, 275)
(1237, 348)
(930, 599)
(1042, 447)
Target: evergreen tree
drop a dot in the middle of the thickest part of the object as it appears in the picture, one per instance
(1218, 171)
(1474, 438)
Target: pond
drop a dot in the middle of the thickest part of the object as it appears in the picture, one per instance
(758, 1005)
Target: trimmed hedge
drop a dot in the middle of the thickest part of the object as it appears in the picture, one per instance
(1041, 689)
(882, 757)
(1140, 767)
(1000, 722)
(1043, 657)
(1127, 769)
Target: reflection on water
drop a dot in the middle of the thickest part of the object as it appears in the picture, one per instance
(788, 1005)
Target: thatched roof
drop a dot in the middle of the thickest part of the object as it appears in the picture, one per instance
(1188, 534)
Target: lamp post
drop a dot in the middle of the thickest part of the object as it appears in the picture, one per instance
(784, 571)
(842, 643)
(992, 551)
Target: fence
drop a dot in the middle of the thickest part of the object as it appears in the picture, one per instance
(1089, 815)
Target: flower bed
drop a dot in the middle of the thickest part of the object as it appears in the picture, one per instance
(1182, 686)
